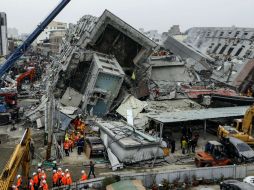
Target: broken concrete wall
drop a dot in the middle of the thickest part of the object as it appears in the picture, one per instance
(102, 84)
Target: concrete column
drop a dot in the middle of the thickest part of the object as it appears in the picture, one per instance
(204, 129)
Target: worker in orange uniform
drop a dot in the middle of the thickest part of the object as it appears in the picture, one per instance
(66, 147)
(43, 174)
(39, 174)
(55, 178)
(71, 144)
(63, 180)
(36, 181)
(31, 184)
(59, 173)
(68, 179)
(44, 185)
(41, 180)
(83, 176)
(19, 182)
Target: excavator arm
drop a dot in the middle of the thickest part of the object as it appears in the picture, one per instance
(20, 156)
(247, 121)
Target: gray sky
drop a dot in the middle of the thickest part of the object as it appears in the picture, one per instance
(147, 14)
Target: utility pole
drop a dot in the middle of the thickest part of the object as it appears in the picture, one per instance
(49, 123)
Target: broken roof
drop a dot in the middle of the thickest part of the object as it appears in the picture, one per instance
(202, 114)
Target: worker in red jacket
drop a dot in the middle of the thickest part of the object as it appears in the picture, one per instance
(36, 181)
(19, 182)
(31, 184)
(63, 180)
(83, 176)
(44, 185)
(66, 147)
(55, 178)
(68, 179)
(59, 174)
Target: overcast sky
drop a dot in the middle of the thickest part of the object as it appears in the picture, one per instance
(147, 14)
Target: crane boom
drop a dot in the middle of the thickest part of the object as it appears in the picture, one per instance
(23, 47)
(20, 156)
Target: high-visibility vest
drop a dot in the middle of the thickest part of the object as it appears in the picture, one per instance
(63, 180)
(19, 183)
(68, 181)
(36, 179)
(83, 177)
(55, 178)
(45, 186)
(66, 145)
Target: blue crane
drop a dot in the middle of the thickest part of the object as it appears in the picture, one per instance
(9, 63)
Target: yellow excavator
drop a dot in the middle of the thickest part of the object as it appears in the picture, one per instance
(241, 128)
(20, 156)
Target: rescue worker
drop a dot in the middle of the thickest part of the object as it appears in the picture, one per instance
(71, 145)
(66, 147)
(91, 171)
(83, 176)
(55, 178)
(43, 174)
(59, 174)
(31, 184)
(36, 181)
(67, 172)
(44, 185)
(19, 182)
(63, 179)
(41, 181)
(184, 145)
(39, 174)
(68, 179)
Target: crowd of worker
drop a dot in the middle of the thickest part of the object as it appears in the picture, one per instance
(188, 141)
(75, 137)
(59, 178)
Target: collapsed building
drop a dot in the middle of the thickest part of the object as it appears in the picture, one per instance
(111, 43)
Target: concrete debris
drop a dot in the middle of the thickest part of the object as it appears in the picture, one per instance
(128, 144)
(71, 98)
(130, 102)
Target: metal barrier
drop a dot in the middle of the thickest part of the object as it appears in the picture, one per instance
(148, 178)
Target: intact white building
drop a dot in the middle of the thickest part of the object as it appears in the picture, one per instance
(52, 27)
(3, 34)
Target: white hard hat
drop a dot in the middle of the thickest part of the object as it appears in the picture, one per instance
(66, 170)
(18, 176)
(59, 169)
(62, 173)
(54, 162)
(42, 176)
(13, 186)
(82, 171)
(34, 173)
(42, 171)
(39, 169)
(54, 171)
